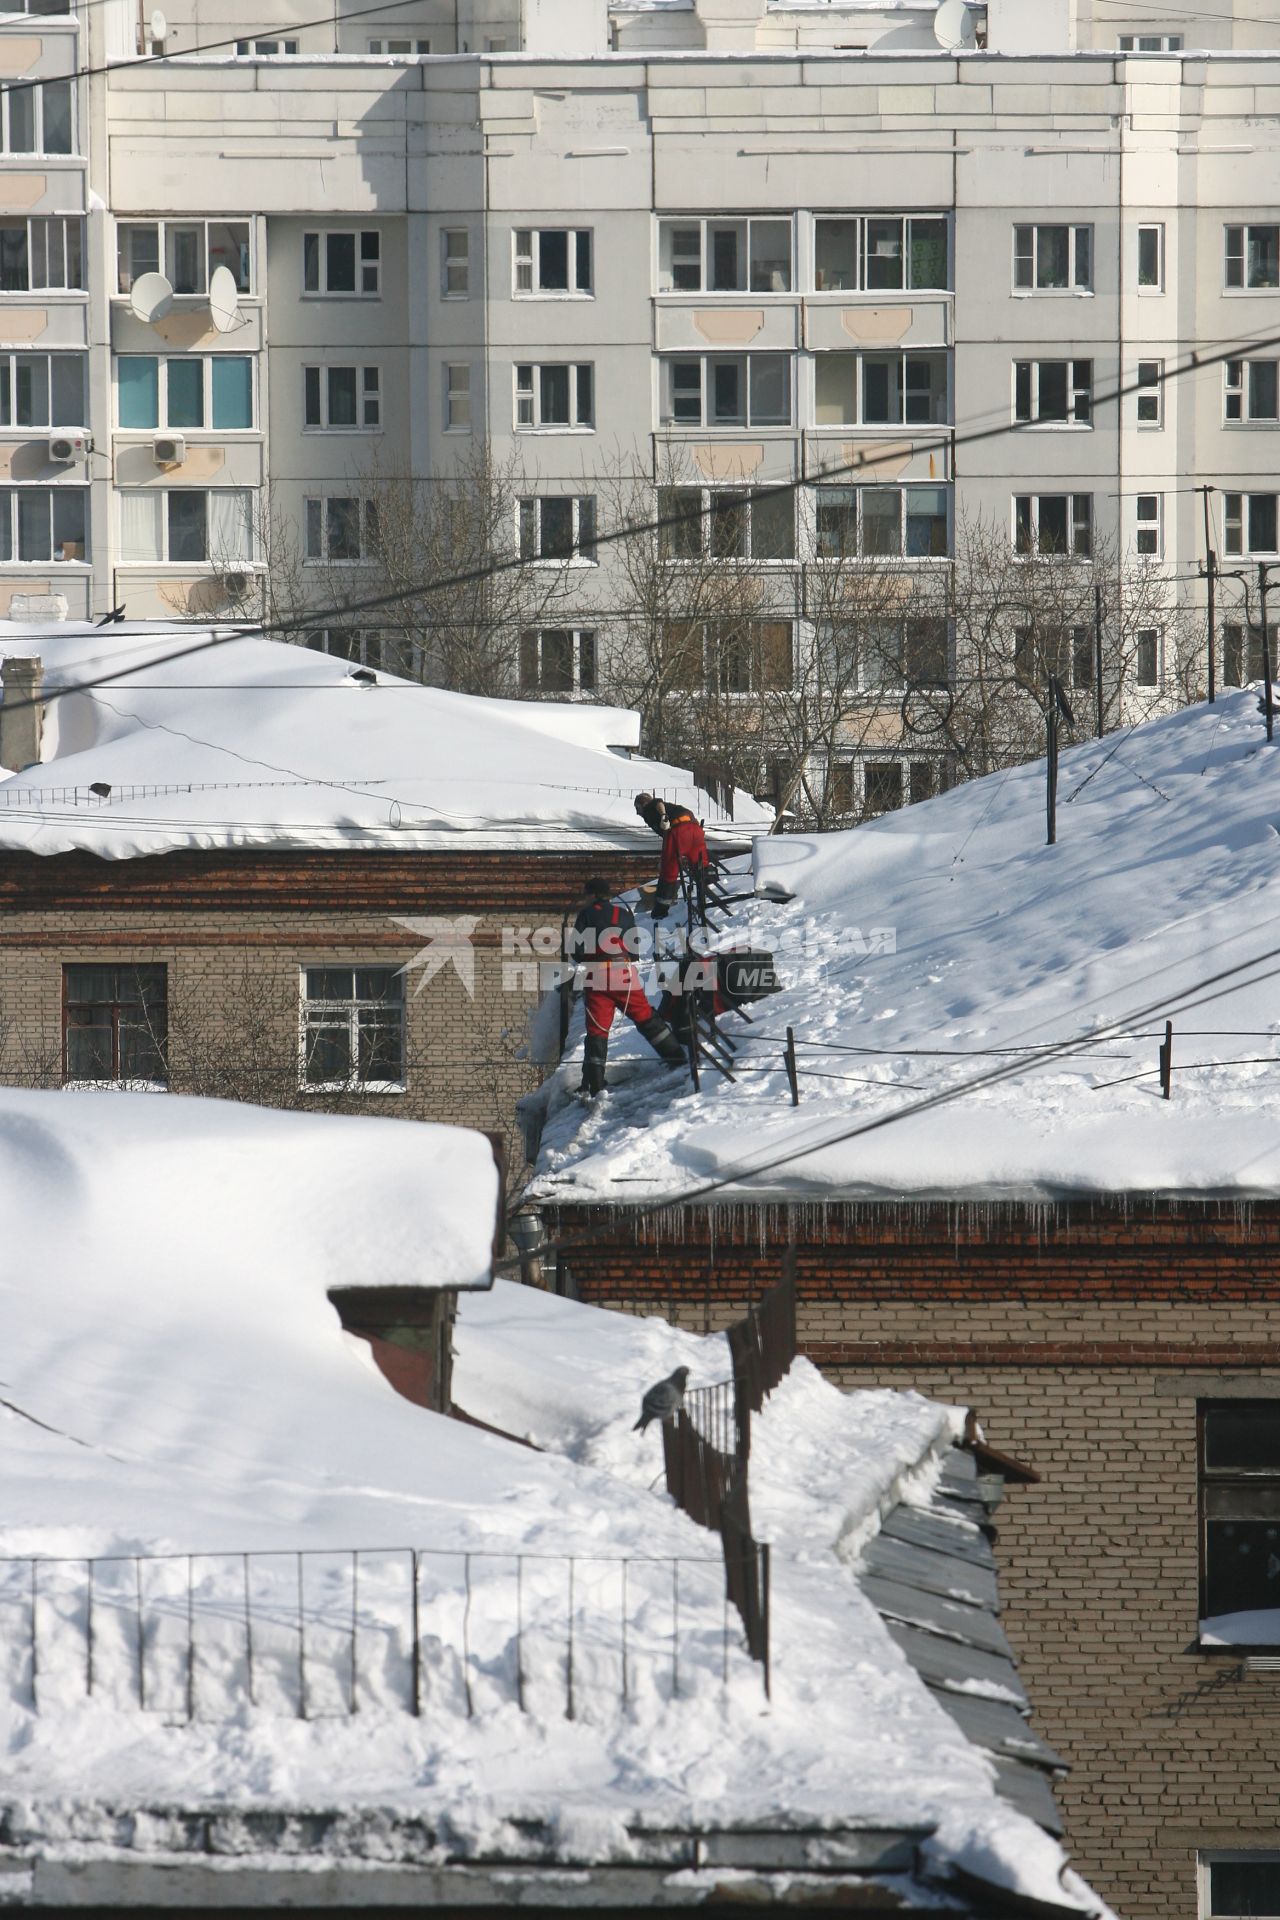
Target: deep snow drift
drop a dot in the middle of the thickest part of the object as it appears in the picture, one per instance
(947, 944)
(175, 1380)
(223, 740)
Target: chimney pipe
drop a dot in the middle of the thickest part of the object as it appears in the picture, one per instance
(21, 711)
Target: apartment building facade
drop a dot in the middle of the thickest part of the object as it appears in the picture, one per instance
(903, 287)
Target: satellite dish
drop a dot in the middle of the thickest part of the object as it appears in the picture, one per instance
(224, 299)
(159, 28)
(151, 297)
(953, 26)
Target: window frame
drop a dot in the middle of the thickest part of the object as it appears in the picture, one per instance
(162, 224)
(1075, 287)
(368, 265)
(1147, 288)
(380, 47)
(1209, 1857)
(1077, 396)
(1150, 392)
(1237, 388)
(532, 669)
(367, 647)
(277, 48)
(206, 360)
(29, 222)
(669, 536)
(366, 396)
(938, 405)
(1149, 526)
(1239, 517)
(1155, 638)
(581, 412)
(861, 251)
(704, 222)
(366, 519)
(454, 262)
(719, 641)
(115, 1005)
(1235, 1479)
(1075, 520)
(530, 532)
(10, 495)
(532, 257)
(454, 393)
(667, 419)
(352, 1005)
(9, 368)
(837, 554)
(1168, 43)
(35, 92)
(246, 562)
(1236, 258)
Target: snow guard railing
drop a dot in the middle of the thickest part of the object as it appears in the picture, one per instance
(320, 1635)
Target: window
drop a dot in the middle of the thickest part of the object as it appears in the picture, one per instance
(551, 260)
(906, 521)
(1150, 396)
(340, 527)
(882, 785)
(1053, 393)
(1053, 259)
(38, 6)
(1150, 42)
(558, 527)
(1149, 517)
(1249, 522)
(1067, 652)
(191, 391)
(42, 389)
(342, 264)
(37, 119)
(353, 1029)
(724, 256)
(43, 523)
(341, 398)
(885, 656)
(558, 660)
(879, 389)
(556, 394)
(870, 252)
(496, 43)
(1151, 259)
(455, 263)
(263, 49)
(43, 254)
(1250, 391)
(386, 650)
(729, 656)
(1240, 1886)
(185, 251)
(1240, 1522)
(401, 47)
(726, 523)
(1253, 257)
(115, 1025)
(1242, 660)
(1146, 657)
(1060, 523)
(726, 390)
(457, 398)
(186, 524)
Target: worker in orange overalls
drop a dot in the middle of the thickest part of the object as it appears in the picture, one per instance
(682, 841)
(605, 940)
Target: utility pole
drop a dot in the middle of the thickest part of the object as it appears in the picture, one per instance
(1268, 704)
(1051, 763)
(1210, 574)
(1097, 658)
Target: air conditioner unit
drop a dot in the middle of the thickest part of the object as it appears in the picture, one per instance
(66, 448)
(236, 585)
(169, 450)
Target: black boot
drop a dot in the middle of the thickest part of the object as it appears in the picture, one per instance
(662, 1040)
(594, 1055)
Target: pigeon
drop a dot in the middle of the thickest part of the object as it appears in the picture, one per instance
(664, 1401)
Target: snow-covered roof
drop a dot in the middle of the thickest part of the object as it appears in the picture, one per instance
(946, 945)
(157, 1710)
(221, 739)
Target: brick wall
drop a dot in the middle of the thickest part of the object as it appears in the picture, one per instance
(1083, 1336)
(235, 931)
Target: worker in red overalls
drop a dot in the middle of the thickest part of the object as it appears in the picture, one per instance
(605, 940)
(682, 840)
